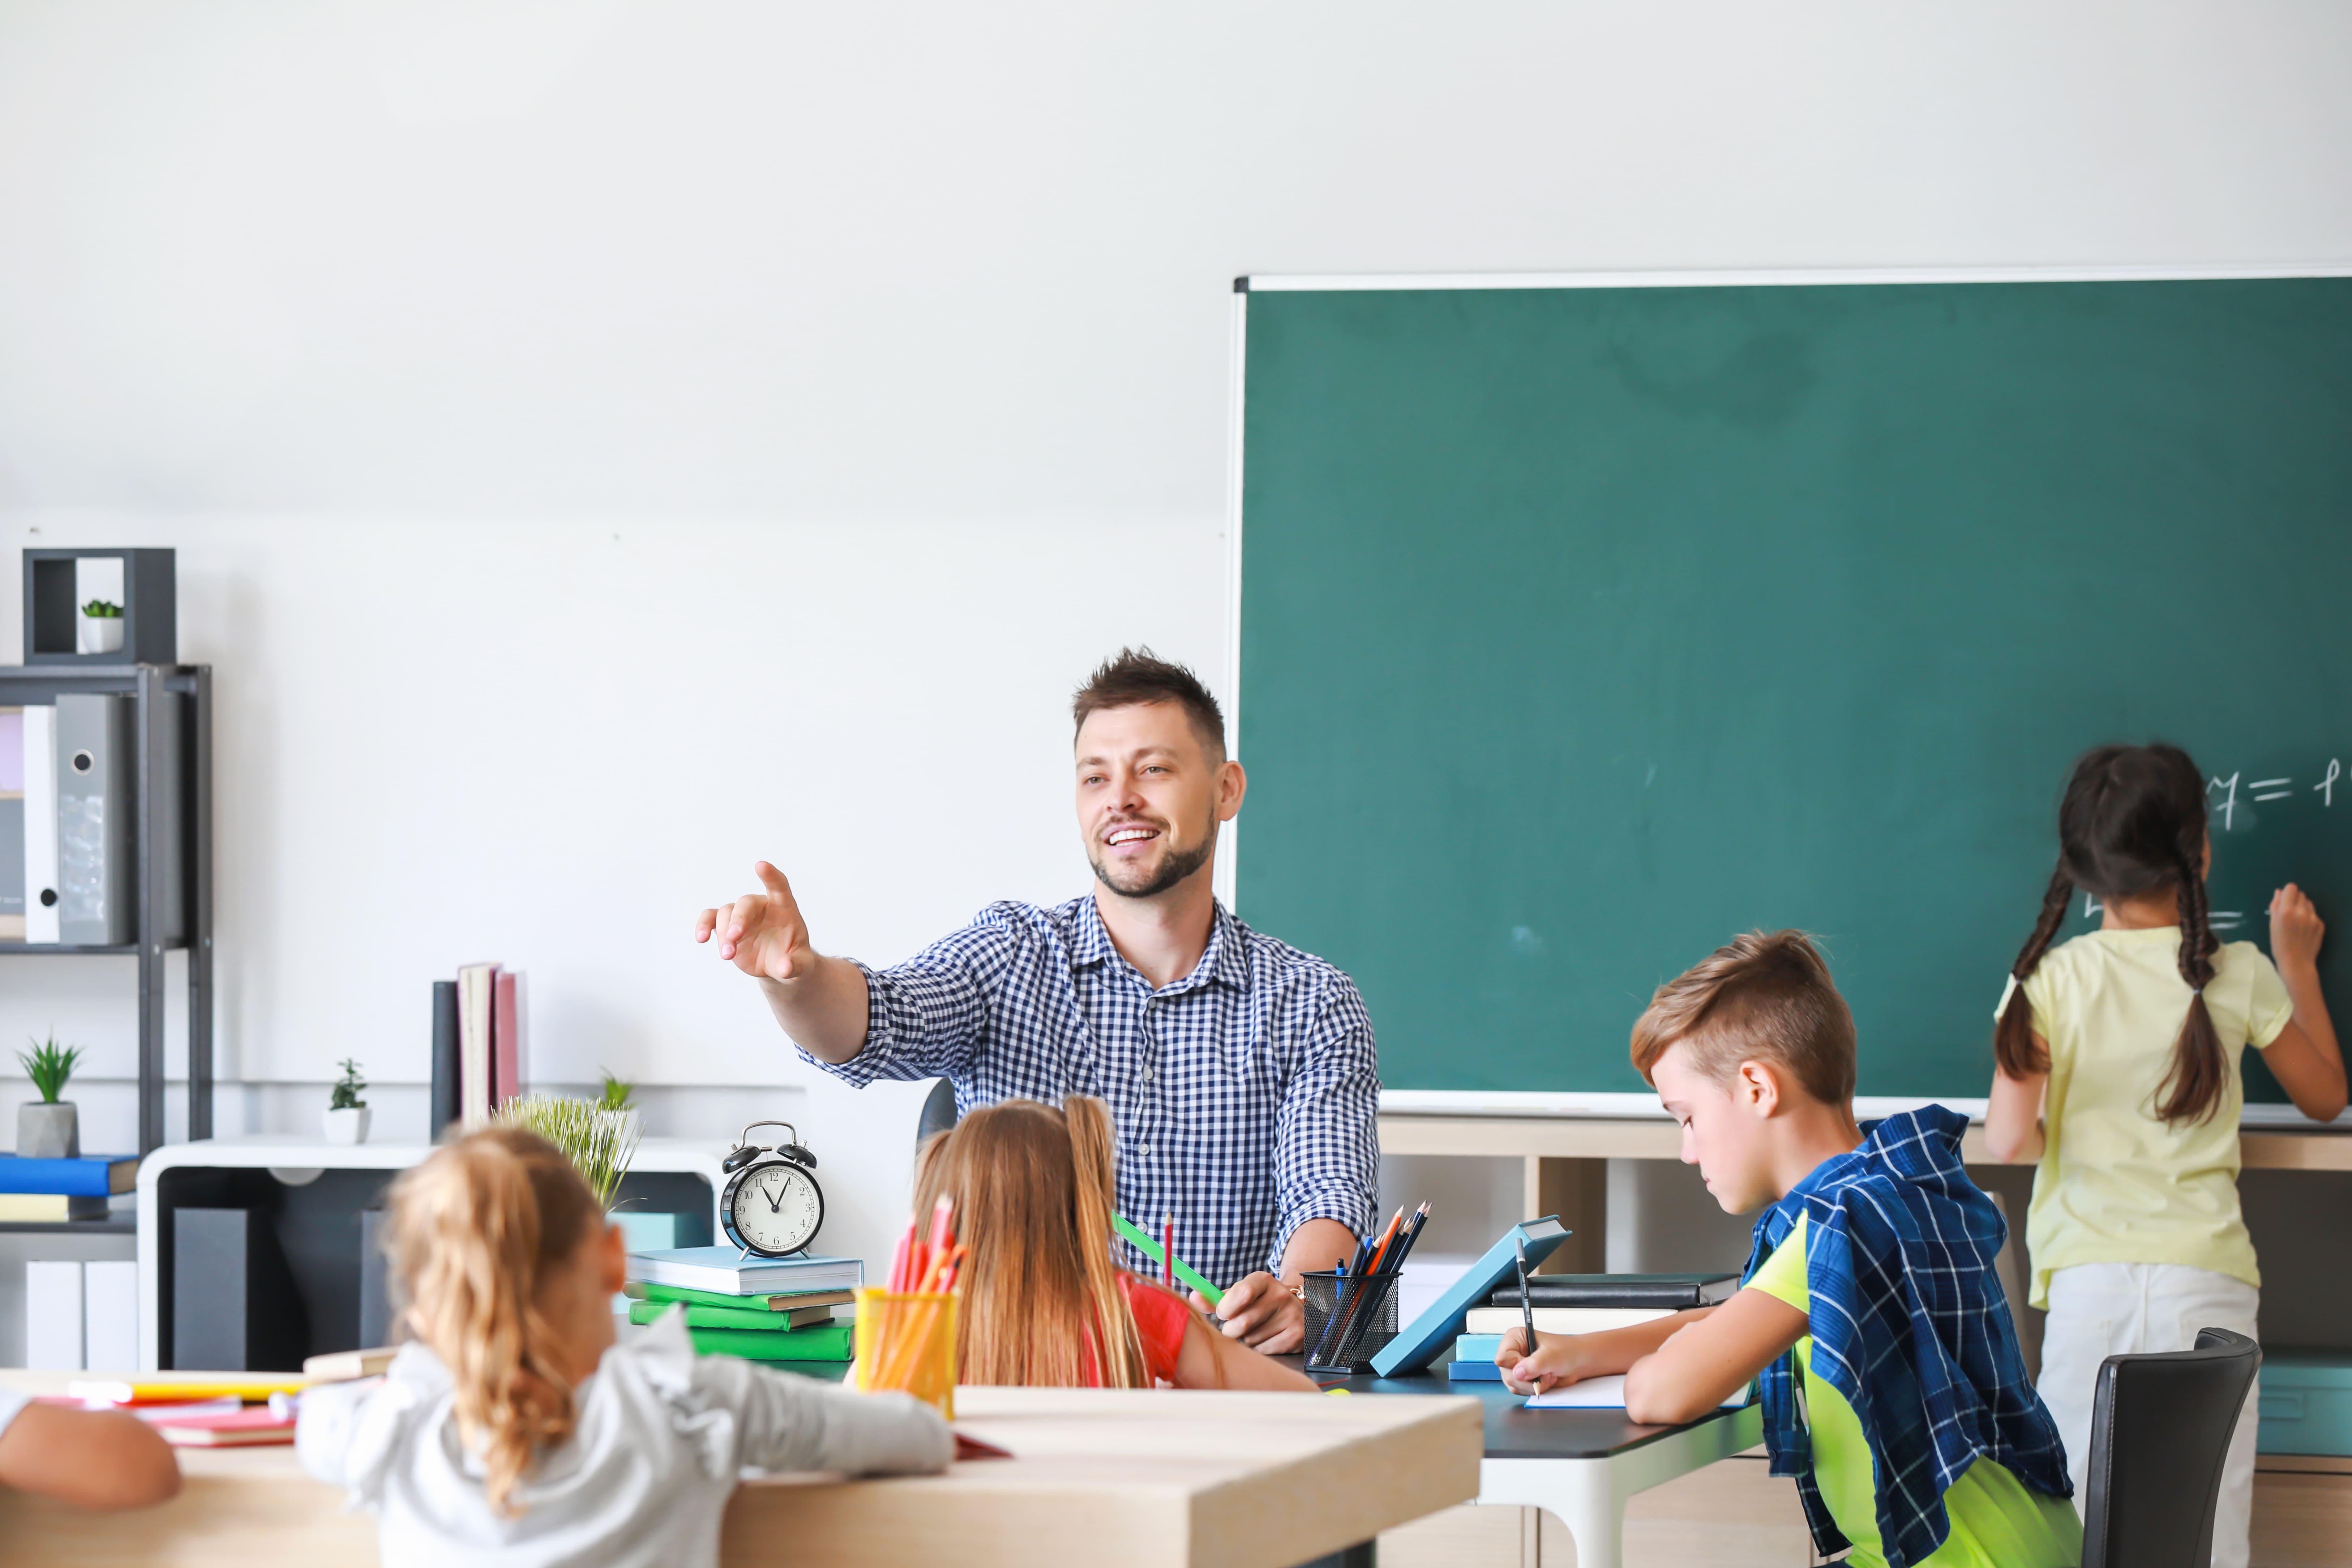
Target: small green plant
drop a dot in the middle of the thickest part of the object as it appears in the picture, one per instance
(589, 1136)
(619, 1093)
(101, 610)
(49, 1065)
(347, 1089)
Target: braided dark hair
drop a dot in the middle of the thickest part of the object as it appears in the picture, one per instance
(2132, 823)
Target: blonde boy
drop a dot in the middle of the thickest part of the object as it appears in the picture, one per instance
(1892, 1386)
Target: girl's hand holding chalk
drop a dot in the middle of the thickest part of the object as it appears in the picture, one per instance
(2296, 929)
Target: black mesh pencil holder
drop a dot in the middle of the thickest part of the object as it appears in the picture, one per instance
(1349, 1317)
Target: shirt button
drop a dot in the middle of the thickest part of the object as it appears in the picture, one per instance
(1145, 1150)
(1146, 1075)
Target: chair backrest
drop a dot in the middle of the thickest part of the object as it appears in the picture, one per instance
(2159, 1431)
(939, 1113)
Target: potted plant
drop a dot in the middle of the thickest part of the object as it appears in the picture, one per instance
(51, 1130)
(99, 627)
(619, 1101)
(599, 1147)
(347, 1114)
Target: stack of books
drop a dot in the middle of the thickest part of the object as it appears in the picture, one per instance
(1577, 1304)
(63, 1189)
(761, 1309)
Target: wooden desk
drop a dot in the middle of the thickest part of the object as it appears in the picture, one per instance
(1160, 1480)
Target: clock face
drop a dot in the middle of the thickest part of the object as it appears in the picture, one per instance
(776, 1208)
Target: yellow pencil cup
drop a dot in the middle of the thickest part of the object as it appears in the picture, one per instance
(906, 1342)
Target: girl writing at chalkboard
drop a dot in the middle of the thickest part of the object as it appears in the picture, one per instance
(513, 1430)
(2117, 1062)
(1044, 1304)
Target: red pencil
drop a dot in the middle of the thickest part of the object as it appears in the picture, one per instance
(1168, 1252)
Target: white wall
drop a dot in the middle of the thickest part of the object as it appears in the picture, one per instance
(607, 442)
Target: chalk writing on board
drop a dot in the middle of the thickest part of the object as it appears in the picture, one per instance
(2225, 920)
(2229, 801)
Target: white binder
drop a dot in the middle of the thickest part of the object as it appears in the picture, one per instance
(40, 823)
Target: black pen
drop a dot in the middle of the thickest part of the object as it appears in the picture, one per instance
(1526, 1297)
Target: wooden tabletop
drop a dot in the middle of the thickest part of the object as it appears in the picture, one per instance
(1162, 1477)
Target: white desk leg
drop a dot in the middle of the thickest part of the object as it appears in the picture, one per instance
(1581, 1493)
(1588, 1495)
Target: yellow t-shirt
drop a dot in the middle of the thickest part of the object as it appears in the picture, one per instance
(2116, 1184)
(1998, 1521)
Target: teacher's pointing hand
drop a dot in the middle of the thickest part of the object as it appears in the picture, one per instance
(760, 933)
(821, 1002)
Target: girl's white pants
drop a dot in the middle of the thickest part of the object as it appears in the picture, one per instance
(2099, 1310)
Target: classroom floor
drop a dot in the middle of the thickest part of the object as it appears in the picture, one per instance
(1734, 1512)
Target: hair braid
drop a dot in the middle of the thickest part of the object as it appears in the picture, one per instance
(2192, 1088)
(2014, 1050)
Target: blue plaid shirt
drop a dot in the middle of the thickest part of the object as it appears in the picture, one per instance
(1909, 1324)
(1245, 1093)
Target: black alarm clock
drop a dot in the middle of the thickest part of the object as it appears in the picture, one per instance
(771, 1203)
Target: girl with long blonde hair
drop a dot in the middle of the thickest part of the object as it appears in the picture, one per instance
(513, 1430)
(1034, 1187)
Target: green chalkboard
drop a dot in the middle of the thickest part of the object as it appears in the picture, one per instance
(1582, 628)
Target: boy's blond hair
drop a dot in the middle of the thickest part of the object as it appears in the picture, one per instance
(1763, 996)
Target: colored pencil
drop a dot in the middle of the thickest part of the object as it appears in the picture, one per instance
(1168, 1251)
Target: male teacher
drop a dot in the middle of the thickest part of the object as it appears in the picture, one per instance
(1241, 1072)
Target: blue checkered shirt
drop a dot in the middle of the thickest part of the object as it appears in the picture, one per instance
(1909, 1324)
(1246, 1094)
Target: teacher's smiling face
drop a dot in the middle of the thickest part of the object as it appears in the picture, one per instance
(1152, 790)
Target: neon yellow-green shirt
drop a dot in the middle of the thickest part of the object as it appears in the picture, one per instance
(1998, 1521)
(2116, 1184)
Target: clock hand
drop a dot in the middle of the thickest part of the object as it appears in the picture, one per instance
(776, 1201)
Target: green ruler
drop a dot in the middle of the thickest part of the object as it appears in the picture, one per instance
(1184, 1271)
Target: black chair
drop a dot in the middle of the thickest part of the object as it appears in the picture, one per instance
(939, 1113)
(2159, 1430)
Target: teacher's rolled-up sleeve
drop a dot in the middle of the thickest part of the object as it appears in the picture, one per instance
(926, 1017)
(1327, 1132)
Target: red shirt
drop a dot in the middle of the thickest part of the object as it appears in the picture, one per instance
(1160, 1316)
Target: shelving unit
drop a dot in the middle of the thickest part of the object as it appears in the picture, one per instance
(314, 1195)
(151, 687)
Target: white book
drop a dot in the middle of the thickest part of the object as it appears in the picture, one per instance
(477, 993)
(1559, 1319)
(53, 1322)
(728, 1272)
(110, 1316)
(1602, 1393)
(40, 823)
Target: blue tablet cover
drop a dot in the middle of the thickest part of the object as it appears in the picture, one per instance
(1425, 1339)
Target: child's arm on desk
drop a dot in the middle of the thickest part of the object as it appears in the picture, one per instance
(1210, 1360)
(87, 1457)
(1676, 1369)
(1571, 1358)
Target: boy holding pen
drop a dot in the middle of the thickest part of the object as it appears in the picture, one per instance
(1894, 1387)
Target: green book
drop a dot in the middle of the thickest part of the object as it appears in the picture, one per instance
(751, 1320)
(817, 1344)
(780, 1303)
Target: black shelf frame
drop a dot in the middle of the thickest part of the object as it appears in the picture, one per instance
(150, 686)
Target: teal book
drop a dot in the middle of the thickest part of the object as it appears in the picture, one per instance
(1425, 1339)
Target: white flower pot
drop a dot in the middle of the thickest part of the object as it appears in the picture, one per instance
(48, 1129)
(99, 633)
(348, 1126)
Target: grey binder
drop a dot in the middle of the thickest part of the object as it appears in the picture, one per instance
(94, 820)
